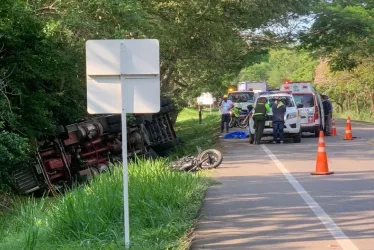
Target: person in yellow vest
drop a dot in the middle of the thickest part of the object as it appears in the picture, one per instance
(259, 117)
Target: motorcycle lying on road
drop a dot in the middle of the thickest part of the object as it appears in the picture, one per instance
(208, 159)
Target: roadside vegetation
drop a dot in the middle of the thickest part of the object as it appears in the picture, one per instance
(163, 205)
(203, 49)
(354, 116)
(194, 134)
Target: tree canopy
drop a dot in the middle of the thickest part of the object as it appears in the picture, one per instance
(203, 47)
(281, 64)
(343, 31)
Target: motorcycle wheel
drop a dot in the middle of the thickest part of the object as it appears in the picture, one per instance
(215, 158)
(243, 123)
(232, 123)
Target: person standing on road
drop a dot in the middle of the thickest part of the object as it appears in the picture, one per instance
(327, 109)
(279, 110)
(225, 107)
(259, 117)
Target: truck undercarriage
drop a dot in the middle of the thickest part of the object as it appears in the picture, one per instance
(81, 150)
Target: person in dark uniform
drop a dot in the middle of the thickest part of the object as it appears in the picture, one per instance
(279, 110)
(327, 110)
(259, 117)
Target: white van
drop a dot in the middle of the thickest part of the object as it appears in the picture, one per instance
(310, 106)
(292, 126)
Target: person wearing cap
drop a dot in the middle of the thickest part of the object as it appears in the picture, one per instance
(259, 117)
(225, 107)
(279, 110)
(327, 110)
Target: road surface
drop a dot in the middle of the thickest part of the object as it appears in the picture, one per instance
(266, 198)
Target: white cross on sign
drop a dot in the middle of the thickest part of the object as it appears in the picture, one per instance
(123, 76)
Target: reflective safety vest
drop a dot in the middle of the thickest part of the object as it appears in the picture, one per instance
(280, 104)
(261, 109)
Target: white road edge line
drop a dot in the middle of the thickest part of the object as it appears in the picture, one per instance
(344, 242)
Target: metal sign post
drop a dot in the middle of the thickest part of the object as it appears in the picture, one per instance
(126, 216)
(123, 76)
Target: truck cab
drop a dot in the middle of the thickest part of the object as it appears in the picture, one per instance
(242, 98)
(309, 103)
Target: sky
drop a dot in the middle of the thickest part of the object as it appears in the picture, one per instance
(292, 26)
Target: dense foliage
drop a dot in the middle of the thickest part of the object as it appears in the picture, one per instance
(343, 35)
(281, 64)
(42, 50)
(14, 153)
(43, 57)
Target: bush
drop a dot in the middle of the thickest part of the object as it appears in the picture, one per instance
(14, 152)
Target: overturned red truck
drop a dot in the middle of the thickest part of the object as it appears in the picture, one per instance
(83, 149)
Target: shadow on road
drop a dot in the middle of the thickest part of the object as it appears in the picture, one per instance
(256, 214)
(255, 207)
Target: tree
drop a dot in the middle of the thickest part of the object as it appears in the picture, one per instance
(202, 49)
(42, 87)
(282, 64)
(344, 34)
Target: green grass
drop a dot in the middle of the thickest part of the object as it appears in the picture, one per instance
(163, 205)
(364, 116)
(203, 135)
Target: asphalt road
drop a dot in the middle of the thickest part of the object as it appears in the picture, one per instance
(266, 198)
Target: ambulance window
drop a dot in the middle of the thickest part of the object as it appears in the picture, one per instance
(306, 100)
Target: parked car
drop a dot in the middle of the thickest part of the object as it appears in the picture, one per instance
(292, 122)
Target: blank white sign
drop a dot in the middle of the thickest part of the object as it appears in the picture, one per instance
(141, 57)
(139, 62)
(103, 57)
(104, 95)
(141, 95)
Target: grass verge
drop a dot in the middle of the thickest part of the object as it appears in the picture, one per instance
(163, 206)
(203, 135)
(366, 117)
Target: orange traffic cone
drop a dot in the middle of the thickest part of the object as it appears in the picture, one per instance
(322, 167)
(333, 132)
(348, 130)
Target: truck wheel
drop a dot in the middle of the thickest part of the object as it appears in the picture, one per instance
(297, 139)
(167, 109)
(113, 119)
(115, 128)
(165, 102)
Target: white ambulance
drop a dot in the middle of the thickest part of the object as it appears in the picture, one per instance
(309, 103)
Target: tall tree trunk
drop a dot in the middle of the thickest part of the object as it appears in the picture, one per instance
(357, 105)
(348, 102)
(341, 102)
